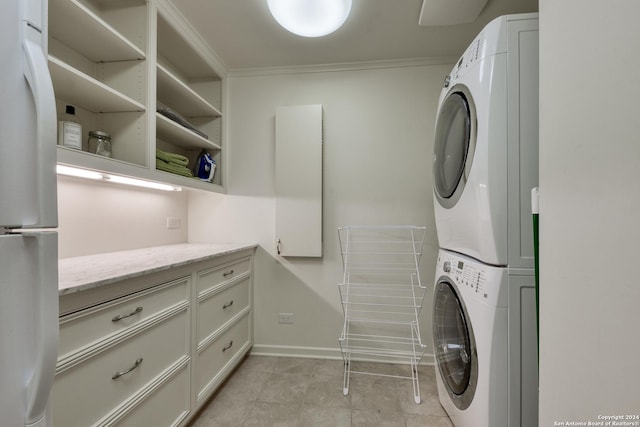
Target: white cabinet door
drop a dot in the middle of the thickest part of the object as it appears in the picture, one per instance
(299, 180)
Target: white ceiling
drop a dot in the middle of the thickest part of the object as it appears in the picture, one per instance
(245, 36)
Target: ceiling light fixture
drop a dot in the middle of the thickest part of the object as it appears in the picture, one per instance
(310, 18)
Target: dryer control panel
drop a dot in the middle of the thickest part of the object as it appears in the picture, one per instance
(492, 40)
(473, 54)
(484, 282)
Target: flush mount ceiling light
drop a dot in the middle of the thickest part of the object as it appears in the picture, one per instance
(310, 18)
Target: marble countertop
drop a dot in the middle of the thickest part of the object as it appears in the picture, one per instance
(87, 272)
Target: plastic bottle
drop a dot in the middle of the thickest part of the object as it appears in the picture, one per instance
(69, 130)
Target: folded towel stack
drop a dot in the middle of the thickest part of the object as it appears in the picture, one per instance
(174, 163)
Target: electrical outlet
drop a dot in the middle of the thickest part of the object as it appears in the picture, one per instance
(173, 222)
(285, 318)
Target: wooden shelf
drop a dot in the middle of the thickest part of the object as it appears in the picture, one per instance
(85, 32)
(80, 89)
(77, 158)
(180, 136)
(183, 181)
(173, 47)
(183, 99)
(72, 157)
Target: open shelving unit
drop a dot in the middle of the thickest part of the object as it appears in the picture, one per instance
(381, 295)
(188, 84)
(116, 62)
(98, 64)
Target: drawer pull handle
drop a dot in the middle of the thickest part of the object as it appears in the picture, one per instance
(121, 373)
(228, 273)
(228, 346)
(227, 305)
(124, 316)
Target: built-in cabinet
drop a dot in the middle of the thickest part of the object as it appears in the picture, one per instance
(151, 350)
(117, 63)
(222, 316)
(298, 180)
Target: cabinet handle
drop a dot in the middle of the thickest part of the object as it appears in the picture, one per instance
(228, 273)
(228, 346)
(121, 373)
(278, 246)
(124, 316)
(227, 305)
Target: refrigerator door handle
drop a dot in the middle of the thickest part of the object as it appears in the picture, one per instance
(37, 74)
(46, 312)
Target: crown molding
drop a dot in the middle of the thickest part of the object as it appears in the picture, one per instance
(345, 66)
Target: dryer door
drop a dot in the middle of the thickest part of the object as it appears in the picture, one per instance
(454, 344)
(454, 145)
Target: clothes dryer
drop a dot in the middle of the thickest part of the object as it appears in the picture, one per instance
(470, 321)
(485, 158)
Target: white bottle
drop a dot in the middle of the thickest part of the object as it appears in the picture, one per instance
(69, 130)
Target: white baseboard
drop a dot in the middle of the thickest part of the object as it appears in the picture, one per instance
(316, 353)
(292, 351)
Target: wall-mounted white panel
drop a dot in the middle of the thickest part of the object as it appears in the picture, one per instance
(298, 180)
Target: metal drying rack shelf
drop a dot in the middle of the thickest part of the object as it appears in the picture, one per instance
(381, 295)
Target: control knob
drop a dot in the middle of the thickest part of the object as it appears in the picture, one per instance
(447, 266)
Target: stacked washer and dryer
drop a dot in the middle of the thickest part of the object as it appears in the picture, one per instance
(485, 164)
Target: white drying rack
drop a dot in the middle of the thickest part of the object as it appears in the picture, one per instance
(381, 295)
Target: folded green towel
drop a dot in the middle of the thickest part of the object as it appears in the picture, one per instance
(169, 167)
(172, 158)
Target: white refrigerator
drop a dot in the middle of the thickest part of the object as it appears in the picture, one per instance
(28, 253)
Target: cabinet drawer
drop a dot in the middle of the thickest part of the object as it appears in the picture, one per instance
(208, 279)
(88, 386)
(214, 356)
(218, 308)
(167, 406)
(80, 329)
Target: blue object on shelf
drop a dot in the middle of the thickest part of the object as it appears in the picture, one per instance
(205, 167)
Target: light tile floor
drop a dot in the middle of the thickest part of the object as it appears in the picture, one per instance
(279, 391)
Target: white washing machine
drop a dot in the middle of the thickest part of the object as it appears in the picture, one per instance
(470, 340)
(485, 158)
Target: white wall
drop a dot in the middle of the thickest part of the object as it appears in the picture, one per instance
(378, 127)
(96, 217)
(590, 209)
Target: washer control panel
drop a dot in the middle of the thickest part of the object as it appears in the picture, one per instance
(472, 277)
(468, 275)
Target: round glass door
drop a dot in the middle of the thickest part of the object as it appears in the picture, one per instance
(453, 146)
(454, 343)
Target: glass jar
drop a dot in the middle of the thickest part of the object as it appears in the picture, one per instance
(100, 143)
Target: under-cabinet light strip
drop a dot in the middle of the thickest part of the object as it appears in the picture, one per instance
(79, 173)
(98, 176)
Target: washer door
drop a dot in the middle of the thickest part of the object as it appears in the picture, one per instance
(454, 344)
(454, 145)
